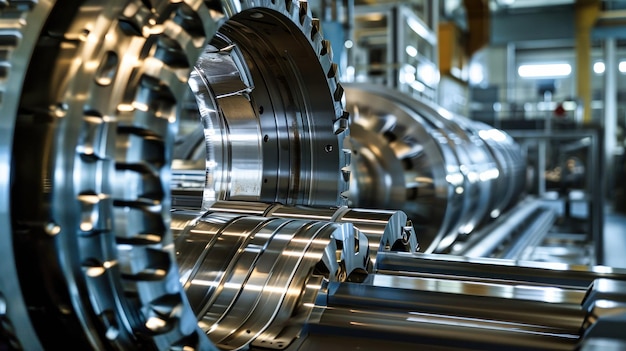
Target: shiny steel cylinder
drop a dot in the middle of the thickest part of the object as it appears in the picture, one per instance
(385, 230)
(450, 313)
(446, 172)
(369, 329)
(254, 280)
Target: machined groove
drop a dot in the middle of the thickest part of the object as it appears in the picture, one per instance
(254, 280)
(448, 174)
(274, 86)
(385, 230)
(89, 96)
(15, 51)
(115, 107)
(101, 117)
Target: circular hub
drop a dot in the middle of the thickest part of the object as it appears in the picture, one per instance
(270, 106)
(91, 96)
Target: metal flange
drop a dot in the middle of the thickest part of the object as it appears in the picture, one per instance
(271, 111)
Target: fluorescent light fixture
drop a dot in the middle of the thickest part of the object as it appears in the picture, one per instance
(598, 67)
(622, 66)
(548, 70)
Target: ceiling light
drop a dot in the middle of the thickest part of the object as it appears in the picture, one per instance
(550, 70)
(598, 67)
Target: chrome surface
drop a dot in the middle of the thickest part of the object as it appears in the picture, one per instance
(404, 330)
(92, 131)
(496, 270)
(448, 314)
(270, 106)
(385, 230)
(447, 173)
(91, 96)
(254, 280)
(92, 257)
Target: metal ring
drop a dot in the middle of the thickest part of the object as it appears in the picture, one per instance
(270, 103)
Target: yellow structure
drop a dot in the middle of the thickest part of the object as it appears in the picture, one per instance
(586, 15)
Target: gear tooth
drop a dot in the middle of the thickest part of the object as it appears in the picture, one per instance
(340, 126)
(304, 10)
(339, 108)
(346, 175)
(326, 63)
(326, 48)
(338, 94)
(347, 158)
(315, 28)
(332, 72)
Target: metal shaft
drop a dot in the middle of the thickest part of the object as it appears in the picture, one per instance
(254, 280)
(447, 173)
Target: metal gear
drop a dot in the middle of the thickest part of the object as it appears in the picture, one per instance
(270, 104)
(93, 133)
(90, 96)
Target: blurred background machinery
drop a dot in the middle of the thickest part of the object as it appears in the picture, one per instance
(192, 175)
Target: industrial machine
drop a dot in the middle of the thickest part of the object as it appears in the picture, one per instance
(447, 172)
(261, 251)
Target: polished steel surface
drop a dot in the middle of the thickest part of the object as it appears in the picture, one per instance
(385, 230)
(447, 173)
(270, 108)
(92, 256)
(430, 332)
(254, 279)
(90, 156)
(15, 322)
(530, 272)
(91, 93)
(502, 306)
(511, 165)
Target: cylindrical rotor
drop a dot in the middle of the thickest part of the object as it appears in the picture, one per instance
(446, 172)
(254, 280)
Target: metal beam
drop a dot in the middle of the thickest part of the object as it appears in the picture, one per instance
(585, 14)
(610, 107)
(478, 18)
